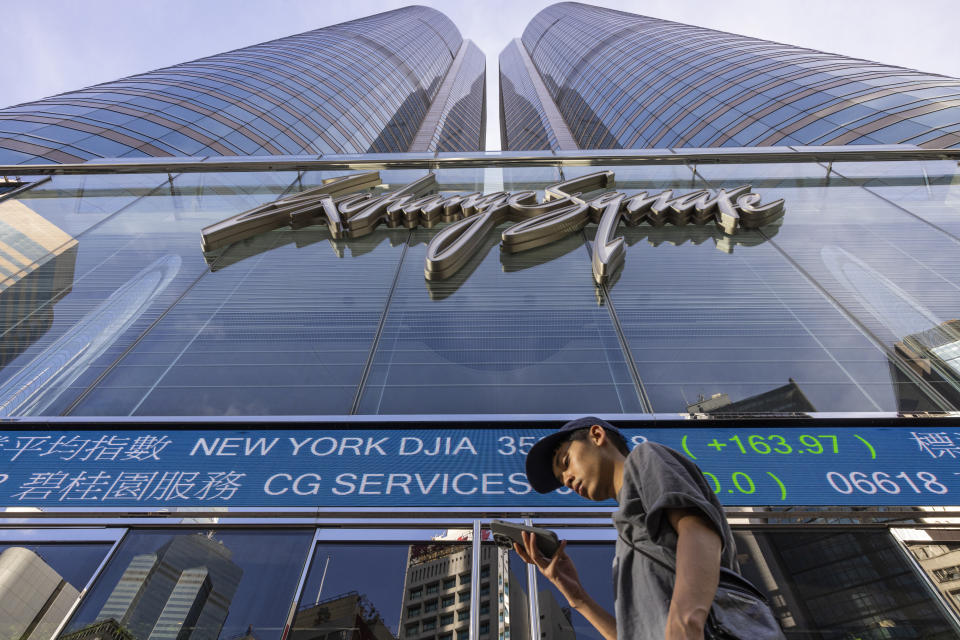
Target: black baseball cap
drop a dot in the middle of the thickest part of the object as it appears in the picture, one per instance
(540, 459)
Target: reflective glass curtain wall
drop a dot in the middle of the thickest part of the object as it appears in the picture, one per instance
(624, 81)
(360, 86)
(462, 122)
(523, 123)
(849, 304)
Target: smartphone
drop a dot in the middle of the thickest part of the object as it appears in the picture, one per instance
(506, 533)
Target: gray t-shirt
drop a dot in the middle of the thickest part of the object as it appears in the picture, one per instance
(655, 480)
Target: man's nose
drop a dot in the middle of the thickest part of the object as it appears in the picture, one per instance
(568, 480)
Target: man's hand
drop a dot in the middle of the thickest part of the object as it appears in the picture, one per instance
(698, 572)
(560, 571)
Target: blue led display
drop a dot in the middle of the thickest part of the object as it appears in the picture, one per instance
(391, 467)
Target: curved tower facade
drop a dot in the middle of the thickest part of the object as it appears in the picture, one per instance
(363, 86)
(623, 81)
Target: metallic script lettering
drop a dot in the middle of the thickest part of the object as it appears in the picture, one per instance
(472, 217)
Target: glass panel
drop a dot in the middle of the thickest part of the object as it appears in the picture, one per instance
(199, 584)
(929, 190)
(383, 591)
(841, 584)
(508, 333)
(271, 328)
(504, 603)
(104, 286)
(594, 562)
(889, 274)
(40, 582)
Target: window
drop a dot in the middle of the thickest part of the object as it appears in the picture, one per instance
(430, 625)
(413, 611)
(446, 619)
(429, 607)
(416, 592)
(485, 589)
(449, 583)
(241, 560)
(413, 628)
(463, 614)
(464, 596)
(448, 601)
(432, 588)
(947, 574)
(485, 572)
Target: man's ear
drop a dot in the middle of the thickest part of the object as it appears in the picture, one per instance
(598, 435)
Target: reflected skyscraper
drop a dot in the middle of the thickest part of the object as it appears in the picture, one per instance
(37, 261)
(437, 596)
(437, 593)
(585, 77)
(402, 80)
(181, 591)
(34, 598)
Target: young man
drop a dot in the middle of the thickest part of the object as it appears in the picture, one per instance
(666, 508)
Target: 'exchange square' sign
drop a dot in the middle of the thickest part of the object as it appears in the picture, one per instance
(349, 214)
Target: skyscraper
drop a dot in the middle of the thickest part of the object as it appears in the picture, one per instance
(395, 81)
(584, 77)
(182, 590)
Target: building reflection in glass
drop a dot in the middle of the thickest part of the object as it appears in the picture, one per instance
(928, 345)
(38, 384)
(181, 591)
(841, 585)
(436, 596)
(788, 398)
(348, 616)
(37, 262)
(194, 585)
(939, 558)
(34, 598)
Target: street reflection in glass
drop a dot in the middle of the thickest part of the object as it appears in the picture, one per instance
(194, 585)
(386, 591)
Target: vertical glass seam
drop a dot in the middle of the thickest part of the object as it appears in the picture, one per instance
(383, 321)
(624, 345)
(86, 588)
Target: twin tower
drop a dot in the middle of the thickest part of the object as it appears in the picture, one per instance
(580, 77)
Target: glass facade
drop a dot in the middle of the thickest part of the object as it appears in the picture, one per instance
(249, 403)
(122, 339)
(462, 122)
(420, 583)
(362, 86)
(523, 123)
(624, 81)
(846, 304)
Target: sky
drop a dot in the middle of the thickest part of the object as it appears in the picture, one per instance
(54, 46)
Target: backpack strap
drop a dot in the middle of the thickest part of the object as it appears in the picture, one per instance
(728, 579)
